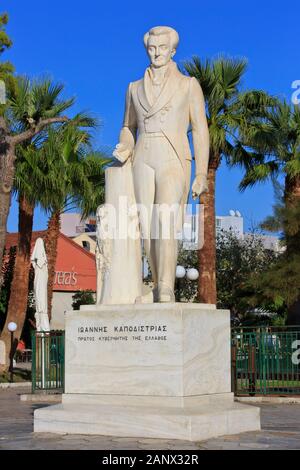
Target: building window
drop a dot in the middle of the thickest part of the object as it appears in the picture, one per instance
(90, 228)
(86, 245)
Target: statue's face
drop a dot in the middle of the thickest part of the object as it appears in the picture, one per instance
(160, 50)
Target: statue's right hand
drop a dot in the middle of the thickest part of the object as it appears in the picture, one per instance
(122, 152)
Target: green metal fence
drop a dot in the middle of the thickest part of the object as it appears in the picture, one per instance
(48, 361)
(266, 361)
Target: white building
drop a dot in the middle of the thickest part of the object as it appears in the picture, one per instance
(233, 222)
(191, 236)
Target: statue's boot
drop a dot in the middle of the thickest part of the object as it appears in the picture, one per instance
(165, 293)
(148, 298)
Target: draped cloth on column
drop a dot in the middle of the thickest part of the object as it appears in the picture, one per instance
(40, 265)
(118, 252)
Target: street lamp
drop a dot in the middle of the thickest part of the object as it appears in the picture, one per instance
(180, 272)
(192, 274)
(12, 326)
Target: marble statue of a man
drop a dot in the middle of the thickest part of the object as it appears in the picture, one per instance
(160, 109)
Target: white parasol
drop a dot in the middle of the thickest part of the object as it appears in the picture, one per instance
(40, 265)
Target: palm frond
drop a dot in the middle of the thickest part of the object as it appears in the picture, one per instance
(259, 173)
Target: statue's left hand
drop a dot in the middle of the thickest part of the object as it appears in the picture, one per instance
(199, 186)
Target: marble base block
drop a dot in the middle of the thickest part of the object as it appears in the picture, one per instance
(153, 370)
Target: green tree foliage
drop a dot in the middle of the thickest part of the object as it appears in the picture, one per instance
(6, 68)
(238, 261)
(83, 297)
(33, 102)
(280, 283)
(231, 112)
(71, 173)
(5, 41)
(60, 170)
(276, 139)
(186, 290)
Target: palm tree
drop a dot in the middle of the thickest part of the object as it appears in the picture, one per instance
(17, 304)
(276, 140)
(228, 111)
(27, 185)
(75, 179)
(277, 143)
(32, 182)
(31, 107)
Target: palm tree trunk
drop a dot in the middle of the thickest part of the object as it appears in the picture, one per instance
(51, 250)
(7, 173)
(292, 194)
(207, 292)
(18, 300)
(291, 189)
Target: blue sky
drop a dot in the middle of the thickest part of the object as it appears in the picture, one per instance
(96, 49)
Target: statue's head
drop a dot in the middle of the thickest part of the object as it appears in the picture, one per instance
(161, 43)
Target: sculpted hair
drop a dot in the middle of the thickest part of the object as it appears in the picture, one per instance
(157, 30)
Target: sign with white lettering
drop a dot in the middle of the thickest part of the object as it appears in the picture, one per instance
(65, 278)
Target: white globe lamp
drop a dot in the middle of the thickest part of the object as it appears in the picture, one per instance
(192, 274)
(12, 326)
(180, 272)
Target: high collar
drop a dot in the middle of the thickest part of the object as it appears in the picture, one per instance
(165, 71)
(169, 87)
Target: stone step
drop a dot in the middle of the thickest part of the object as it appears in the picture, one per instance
(192, 423)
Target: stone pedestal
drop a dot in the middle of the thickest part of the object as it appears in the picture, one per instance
(153, 370)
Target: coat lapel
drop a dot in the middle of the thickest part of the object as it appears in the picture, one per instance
(142, 96)
(144, 93)
(169, 89)
(171, 85)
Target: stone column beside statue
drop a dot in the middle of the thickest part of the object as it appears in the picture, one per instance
(118, 249)
(143, 365)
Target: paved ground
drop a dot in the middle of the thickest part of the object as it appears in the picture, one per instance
(280, 430)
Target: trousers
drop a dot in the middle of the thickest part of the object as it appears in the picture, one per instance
(159, 185)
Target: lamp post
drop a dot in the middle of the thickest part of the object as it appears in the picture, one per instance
(12, 326)
(180, 273)
(192, 274)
